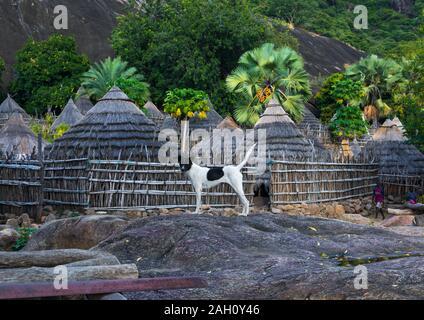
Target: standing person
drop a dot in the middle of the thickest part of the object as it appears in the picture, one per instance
(379, 200)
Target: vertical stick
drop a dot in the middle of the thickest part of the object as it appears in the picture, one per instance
(41, 193)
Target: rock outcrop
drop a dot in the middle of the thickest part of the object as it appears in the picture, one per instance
(75, 233)
(268, 256)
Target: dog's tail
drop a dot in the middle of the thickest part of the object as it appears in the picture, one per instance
(246, 158)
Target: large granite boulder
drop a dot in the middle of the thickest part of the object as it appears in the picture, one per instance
(268, 256)
(75, 233)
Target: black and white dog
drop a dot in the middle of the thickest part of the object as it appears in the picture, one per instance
(205, 178)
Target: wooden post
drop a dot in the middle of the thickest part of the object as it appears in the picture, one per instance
(41, 176)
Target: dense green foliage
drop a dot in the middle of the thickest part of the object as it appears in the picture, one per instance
(379, 78)
(267, 72)
(25, 235)
(348, 122)
(110, 72)
(43, 127)
(193, 44)
(337, 91)
(47, 73)
(387, 28)
(183, 104)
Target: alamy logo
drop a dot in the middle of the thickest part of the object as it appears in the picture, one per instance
(361, 20)
(61, 20)
(361, 280)
(61, 279)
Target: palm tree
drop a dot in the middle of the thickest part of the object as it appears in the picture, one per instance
(379, 77)
(267, 72)
(102, 76)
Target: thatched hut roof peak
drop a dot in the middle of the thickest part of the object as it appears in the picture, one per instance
(274, 113)
(69, 115)
(9, 106)
(115, 94)
(152, 110)
(228, 123)
(83, 101)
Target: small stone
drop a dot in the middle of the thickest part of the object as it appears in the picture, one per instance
(163, 211)
(276, 211)
(8, 238)
(287, 207)
(396, 221)
(205, 207)
(132, 214)
(339, 210)
(13, 223)
(24, 219)
(228, 212)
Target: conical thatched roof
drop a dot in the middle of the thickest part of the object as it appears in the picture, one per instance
(9, 107)
(399, 124)
(69, 115)
(17, 139)
(283, 138)
(228, 123)
(154, 113)
(83, 102)
(114, 127)
(395, 155)
(210, 123)
(388, 131)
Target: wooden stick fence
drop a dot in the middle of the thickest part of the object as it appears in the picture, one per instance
(125, 185)
(315, 182)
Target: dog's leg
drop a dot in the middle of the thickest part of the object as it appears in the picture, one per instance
(198, 200)
(236, 183)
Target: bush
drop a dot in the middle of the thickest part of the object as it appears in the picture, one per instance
(25, 235)
(47, 73)
(348, 123)
(183, 104)
(337, 91)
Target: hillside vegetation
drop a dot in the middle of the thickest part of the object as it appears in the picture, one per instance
(390, 22)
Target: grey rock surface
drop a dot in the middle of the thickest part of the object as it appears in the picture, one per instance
(268, 256)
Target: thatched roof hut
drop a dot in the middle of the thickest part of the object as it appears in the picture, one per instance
(16, 138)
(390, 148)
(388, 131)
(226, 145)
(9, 107)
(115, 127)
(209, 123)
(283, 138)
(83, 102)
(69, 115)
(153, 113)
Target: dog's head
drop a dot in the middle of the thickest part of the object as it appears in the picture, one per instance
(184, 166)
